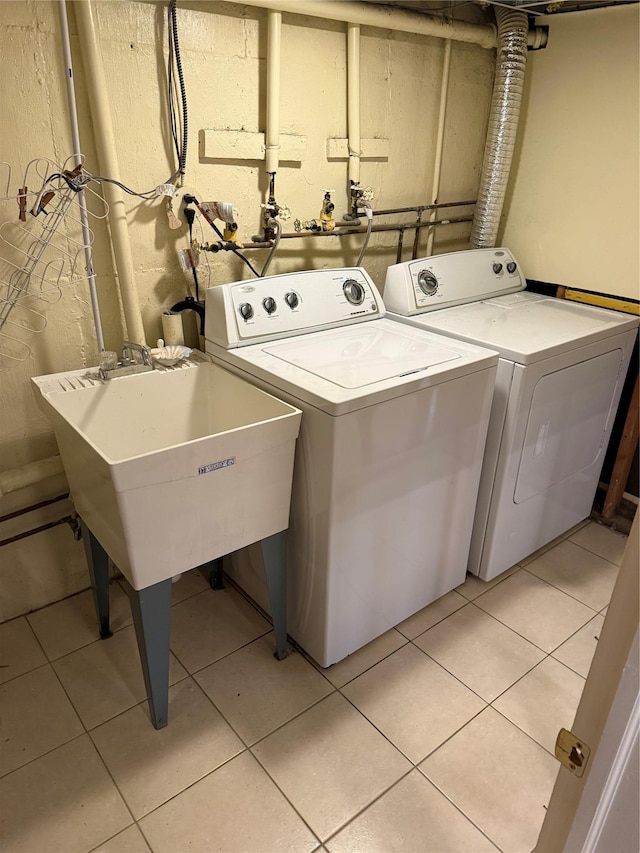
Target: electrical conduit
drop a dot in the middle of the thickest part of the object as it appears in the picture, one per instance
(106, 147)
(503, 125)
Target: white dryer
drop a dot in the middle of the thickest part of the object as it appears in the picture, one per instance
(388, 458)
(561, 371)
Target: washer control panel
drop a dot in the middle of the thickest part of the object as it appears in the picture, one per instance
(441, 281)
(279, 306)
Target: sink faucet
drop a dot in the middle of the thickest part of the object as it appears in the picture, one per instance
(135, 358)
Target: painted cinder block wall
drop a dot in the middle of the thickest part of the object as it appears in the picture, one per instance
(223, 53)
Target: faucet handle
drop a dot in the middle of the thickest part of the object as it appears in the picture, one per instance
(128, 353)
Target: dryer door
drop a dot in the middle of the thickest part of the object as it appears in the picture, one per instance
(568, 417)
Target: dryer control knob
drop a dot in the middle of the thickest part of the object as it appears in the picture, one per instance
(512, 266)
(269, 304)
(497, 268)
(427, 282)
(246, 311)
(354, 291)
(291, 299)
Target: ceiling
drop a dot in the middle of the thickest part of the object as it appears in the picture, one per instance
(532, 7)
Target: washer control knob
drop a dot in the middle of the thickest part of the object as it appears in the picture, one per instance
(354, 291)
(497, 268)
(427, 282)
(246, 311)
(269, 304)
(512, 266)
(291, 299)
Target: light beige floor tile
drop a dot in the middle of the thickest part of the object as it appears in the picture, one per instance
(63, 801)
(474, 586)
(568, 533)
(105, 678)
(131, 840)
(236, 809)
(431, 615)
(499, 778)
(578, 651)
(540, 551)
(412, 817)
(72, 623)
(577, 572)
(543, 702)
(257, 693)
(36, 718)
(330, 763)
(483, 653)
(601, 540)
(413, 701)
(20, 652)
(542, 614)
(191, 583)
(208, 626)
(355, 664)
(150, 766)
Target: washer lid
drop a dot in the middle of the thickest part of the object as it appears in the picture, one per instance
(349, 368)
(526, 327)
(359, 356)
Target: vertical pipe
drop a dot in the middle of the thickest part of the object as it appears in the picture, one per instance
(77, 151)
(442, 117)
(272, 134)
(108, 159)
(353, 102)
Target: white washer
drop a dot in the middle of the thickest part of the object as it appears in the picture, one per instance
(389, 454)
(562, 367)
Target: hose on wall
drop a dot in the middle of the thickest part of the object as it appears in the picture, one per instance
(503, 125)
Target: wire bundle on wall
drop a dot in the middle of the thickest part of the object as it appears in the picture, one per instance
(174, 112)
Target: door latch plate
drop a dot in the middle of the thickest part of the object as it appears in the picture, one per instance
(572, 752)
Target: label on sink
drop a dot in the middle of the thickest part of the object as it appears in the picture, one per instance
(215, 466)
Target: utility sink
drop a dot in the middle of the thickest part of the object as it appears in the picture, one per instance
(172, 469)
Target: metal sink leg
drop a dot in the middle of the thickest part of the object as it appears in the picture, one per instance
(275, 569)
(98, 564)
(151, 608)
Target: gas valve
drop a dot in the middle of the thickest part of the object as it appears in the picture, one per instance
(325, 222)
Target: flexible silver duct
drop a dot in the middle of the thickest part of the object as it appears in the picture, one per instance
(503, 125)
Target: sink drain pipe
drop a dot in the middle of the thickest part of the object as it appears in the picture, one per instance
(503, 125)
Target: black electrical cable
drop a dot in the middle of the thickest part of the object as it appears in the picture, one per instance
(191, 199)
(190, 215)
(174, 56)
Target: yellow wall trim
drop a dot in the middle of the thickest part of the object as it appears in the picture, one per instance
(615, 302)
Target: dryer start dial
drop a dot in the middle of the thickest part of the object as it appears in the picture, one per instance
(427, 282)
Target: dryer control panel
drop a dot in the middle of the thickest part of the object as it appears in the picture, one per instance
(440, 281)
(279, 306)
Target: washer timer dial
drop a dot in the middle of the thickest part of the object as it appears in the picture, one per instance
(354, 291)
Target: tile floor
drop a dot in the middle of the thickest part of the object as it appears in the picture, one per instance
(438, 736)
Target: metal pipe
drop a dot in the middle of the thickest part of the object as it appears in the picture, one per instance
(108, 159)
(353, 102)
(385, 18)
(77, 152)
(272, 133)
(33, 472)
(442, 116)
(347, 232)
(422, 207)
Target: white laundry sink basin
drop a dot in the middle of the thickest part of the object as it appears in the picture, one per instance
(171, 469)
